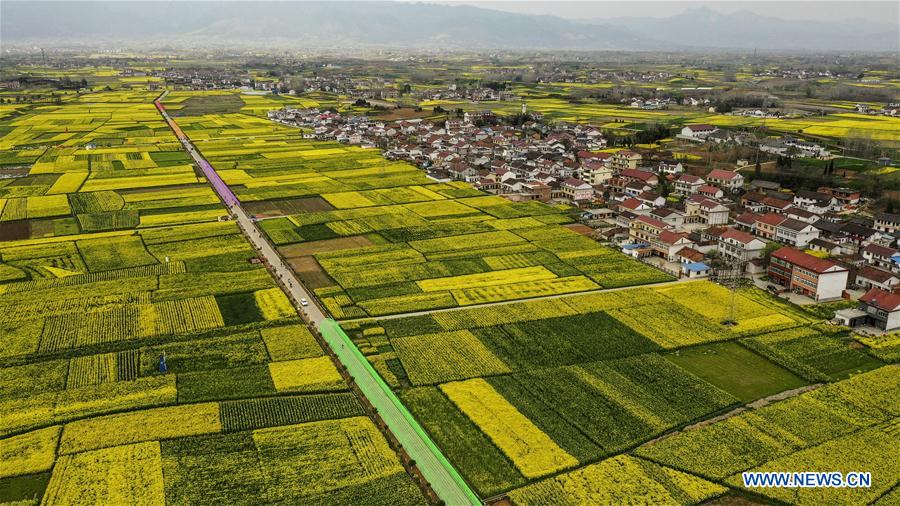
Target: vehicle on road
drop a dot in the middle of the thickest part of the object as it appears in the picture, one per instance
(304, 302)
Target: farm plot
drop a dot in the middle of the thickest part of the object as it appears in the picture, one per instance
(582, 378)
(456, 246)
(618, 480)
(839, 426)
(145, 359)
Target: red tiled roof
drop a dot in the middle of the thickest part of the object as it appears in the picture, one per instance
(881, 299)
(738, 235)
(805, 260)
(777, 203)
(747, 218)
(637, 174)
(653, 222)
(879, 250)
(707, 188)
(877, 275)
(631, 203)
(691, 254)
(771, 219)
(722, 174)
(669, 237)
(699, 127)
(573, 182)
(689, 178)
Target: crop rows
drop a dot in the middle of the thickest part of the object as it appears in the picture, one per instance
(275, 411)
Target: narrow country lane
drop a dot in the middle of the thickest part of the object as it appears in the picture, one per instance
(435, 467)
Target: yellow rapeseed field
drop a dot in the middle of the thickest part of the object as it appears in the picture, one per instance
(530, 449)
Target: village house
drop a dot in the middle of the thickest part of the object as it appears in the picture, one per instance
(651, 199)
(697, 132)
(668, 243)
(887, 223)
(825, 246)
(773, 204)
(577, 190)
(668, 216)
(746, 222)
(669, 167)
(814, 202)
(753, 201)
(631, 175)
(688, 184)
(764, 185)
(644, 229)
(740, 246)
(818, 278)
(634, 205)
(767, 225)
(709, 191)
(726, 179)
(801, 215)
(623, 160)
(872, 277)
(877, 308)
(860, 235)
(844, 196)
(795, 232)
(881, 256)
(704, 210)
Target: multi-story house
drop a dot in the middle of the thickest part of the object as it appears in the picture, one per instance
(688, 184)
(704, 210)
(844, 196)
(814, 202)
(887, 223)
(670, 167)
(624, 159)
(727, 180)
(596, 173)
(795, 232)
(577, 190)
(740, 246)
(881, 256)
(646, 229)
(669, 243)
(818, 278)
(710, 191)
(881, 308)
(767, 225)
(635, 175)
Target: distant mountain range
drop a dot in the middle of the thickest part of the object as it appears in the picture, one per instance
(702, 27)
(415, 25)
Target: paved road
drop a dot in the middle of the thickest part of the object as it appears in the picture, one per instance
(444, 480)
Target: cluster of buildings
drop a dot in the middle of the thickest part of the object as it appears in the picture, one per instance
(892, 109)
(474, 95)
(810, 243)
(532, 161)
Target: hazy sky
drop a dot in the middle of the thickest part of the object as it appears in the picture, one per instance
(887, 12)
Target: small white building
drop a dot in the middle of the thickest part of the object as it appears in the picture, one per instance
(697, 132)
